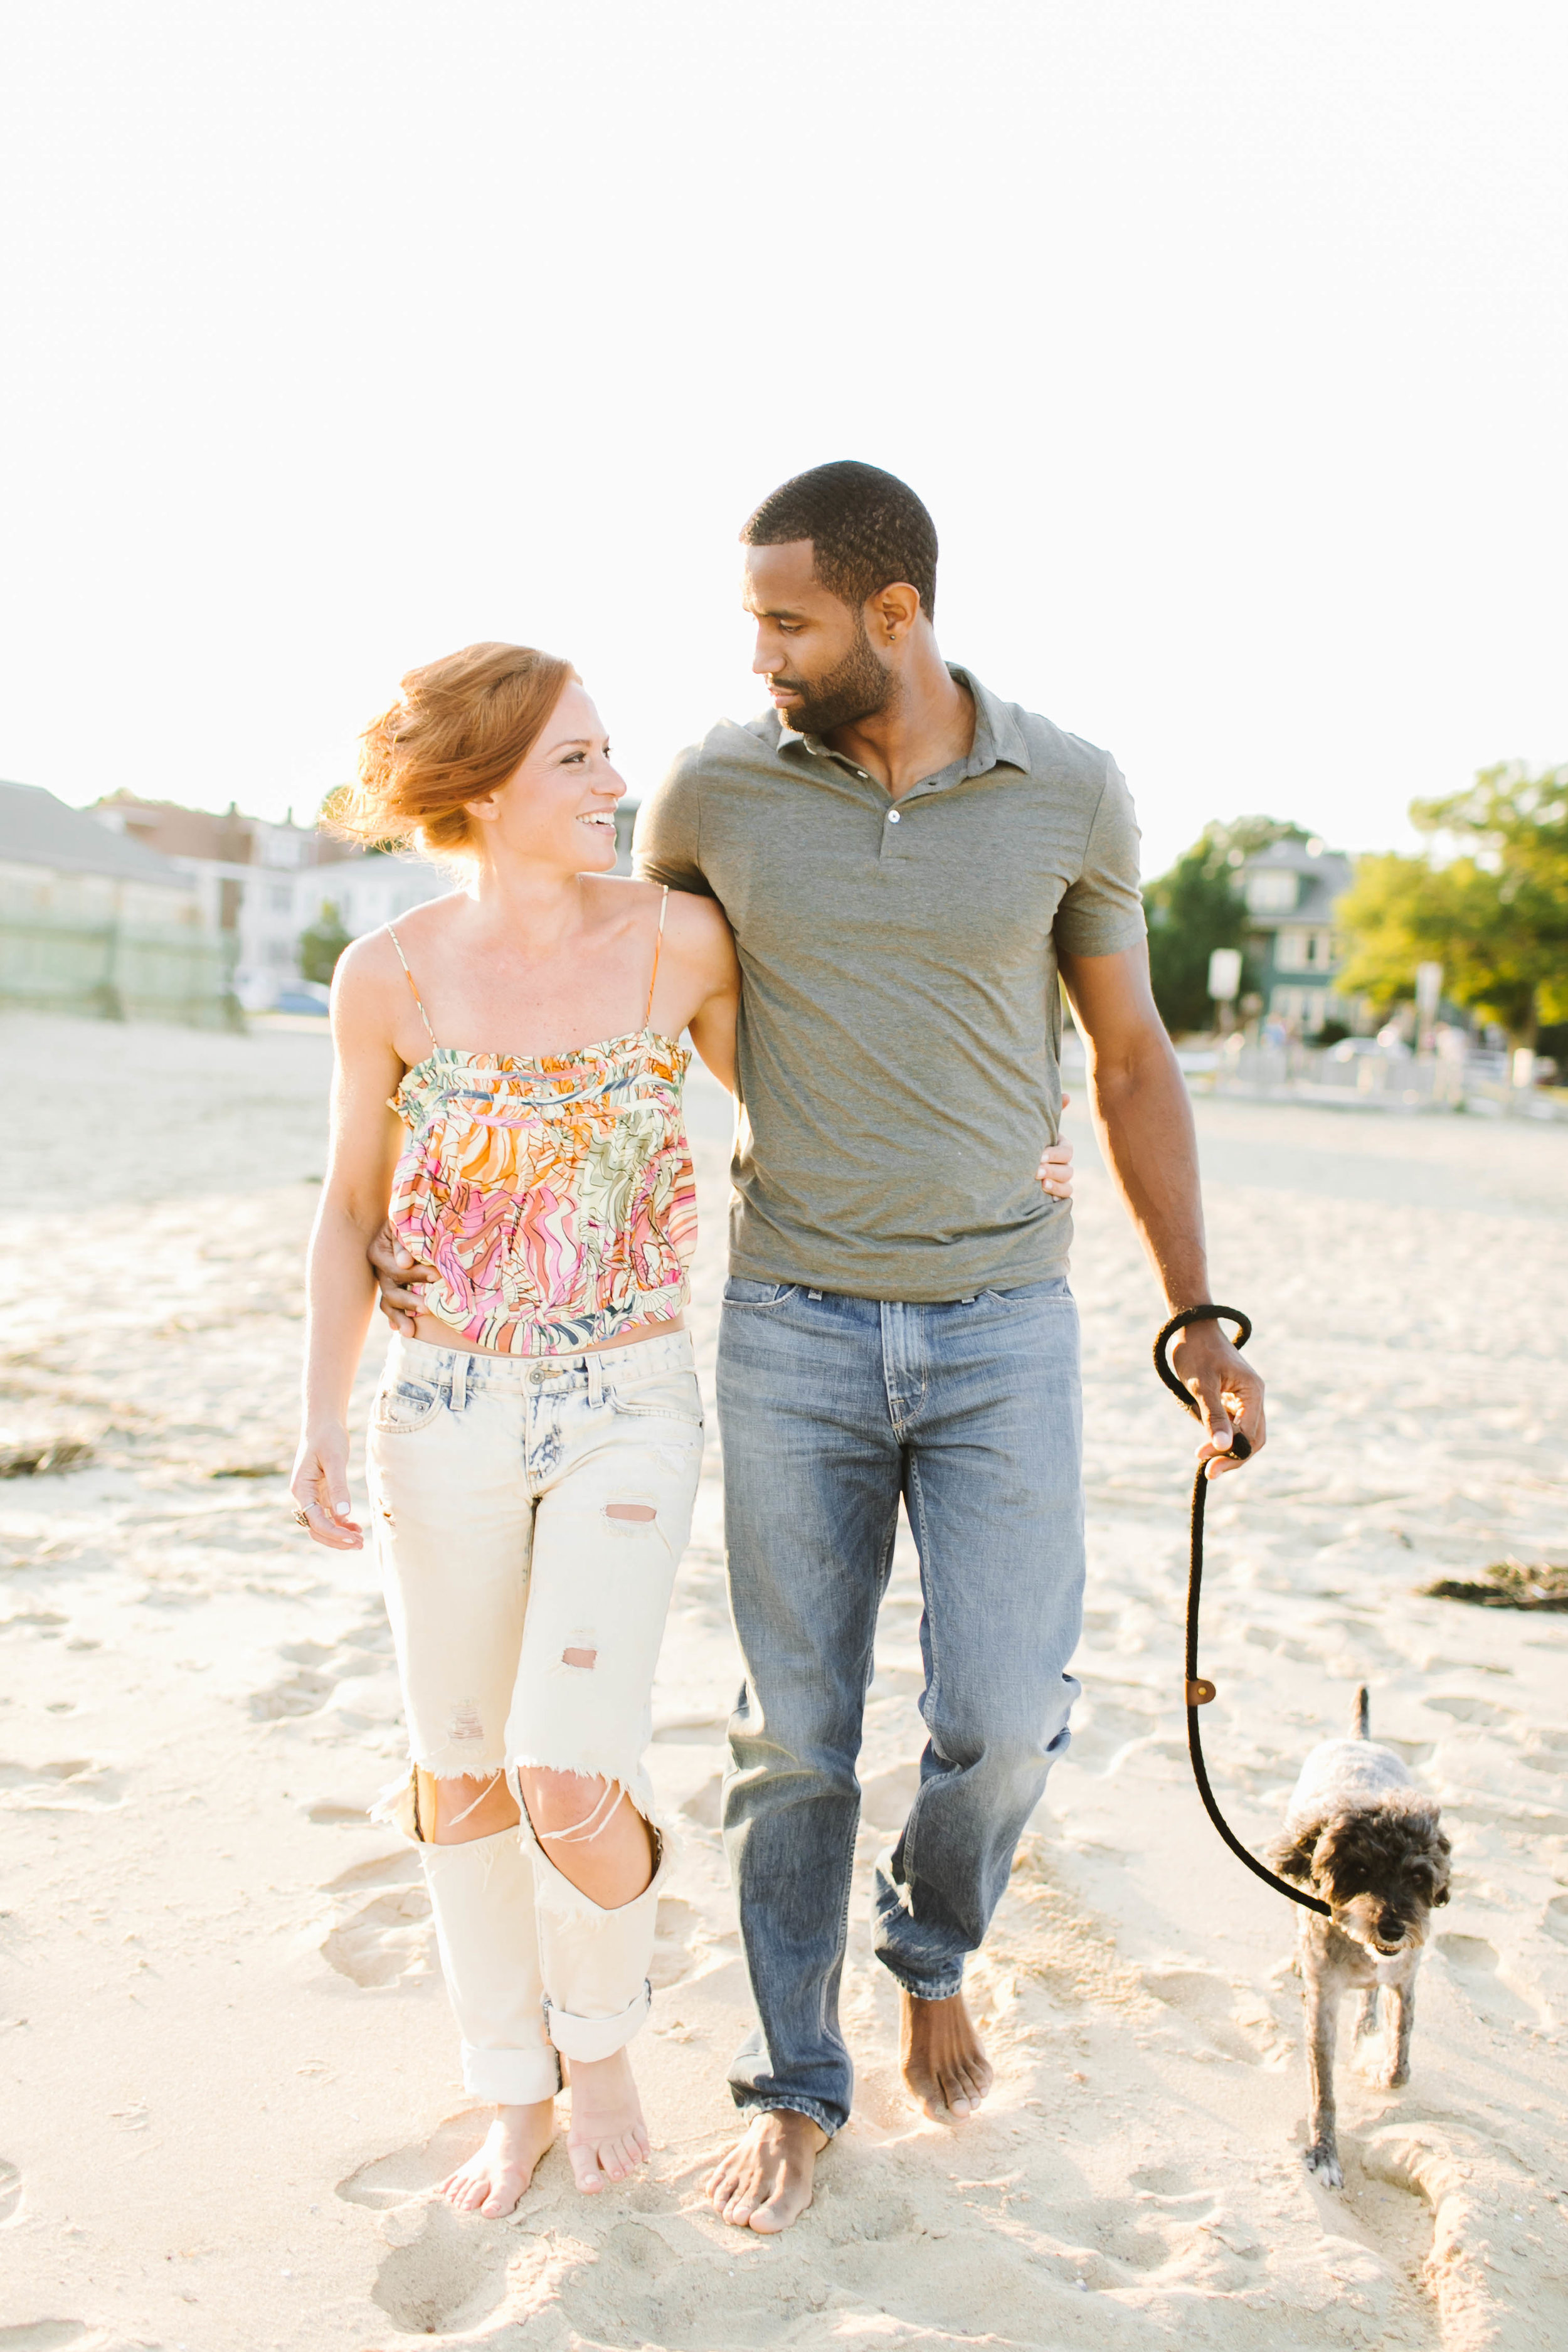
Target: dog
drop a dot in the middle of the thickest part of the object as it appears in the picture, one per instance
(1362, 1837)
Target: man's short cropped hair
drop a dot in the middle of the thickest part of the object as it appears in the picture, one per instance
(867, 530)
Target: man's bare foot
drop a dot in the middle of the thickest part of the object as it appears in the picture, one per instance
(496, 2175)
(941, 2057)
(764, 2182)
(607, 2138)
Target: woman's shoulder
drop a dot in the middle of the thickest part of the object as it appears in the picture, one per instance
(371, 971)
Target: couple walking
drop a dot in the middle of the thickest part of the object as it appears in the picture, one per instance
(859, 906)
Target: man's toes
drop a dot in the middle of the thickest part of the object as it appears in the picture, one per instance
(585, 2170)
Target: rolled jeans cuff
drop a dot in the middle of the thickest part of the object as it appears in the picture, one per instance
(512, 2078)
(823, 2117)
(922, 1989)
(595, 2037)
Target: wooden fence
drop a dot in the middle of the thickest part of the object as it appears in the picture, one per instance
(117, 972)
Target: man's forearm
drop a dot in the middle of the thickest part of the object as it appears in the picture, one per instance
(1144, 1121)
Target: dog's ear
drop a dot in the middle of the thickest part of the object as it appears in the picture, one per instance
(1292, 1856)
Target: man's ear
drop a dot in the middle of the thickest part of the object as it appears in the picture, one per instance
(892, 613)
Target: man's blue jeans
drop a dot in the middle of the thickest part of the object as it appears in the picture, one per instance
(830, 1408)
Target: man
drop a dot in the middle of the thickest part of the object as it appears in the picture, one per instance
(908, 864)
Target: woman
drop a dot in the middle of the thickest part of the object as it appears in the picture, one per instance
(508, 1077)
(535, 1443)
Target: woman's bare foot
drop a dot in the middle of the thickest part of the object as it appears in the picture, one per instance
(608, 2138)
(941, 2056)
(764, 2182)
(496, 2175)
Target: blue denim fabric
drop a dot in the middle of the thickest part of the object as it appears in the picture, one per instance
(830, 1408)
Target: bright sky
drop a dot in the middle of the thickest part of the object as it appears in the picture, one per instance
(1226, 342)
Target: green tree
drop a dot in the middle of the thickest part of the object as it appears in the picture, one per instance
(322, 944)
(1495, 917)
(1196, 907)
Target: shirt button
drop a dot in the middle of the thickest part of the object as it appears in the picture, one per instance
(892, 817)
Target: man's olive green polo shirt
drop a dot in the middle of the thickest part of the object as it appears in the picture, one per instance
(901, 1021)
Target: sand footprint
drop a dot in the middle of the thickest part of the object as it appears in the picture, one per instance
(446, 2269)
(390, 1940)
(398, 1868)
(75, 1785)
(1476, 1965)
(408, 2173)
(1209, 2003)
(10, 2190)
(301, 1692)
(450, 2274)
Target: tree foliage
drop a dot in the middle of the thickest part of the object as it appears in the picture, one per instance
(1495, 916)
(1196, 907)
(322, 944)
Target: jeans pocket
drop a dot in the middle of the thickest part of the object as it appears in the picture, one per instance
(738, 1293)
(657, 1396)
(404, 1405)
(1030, 1293)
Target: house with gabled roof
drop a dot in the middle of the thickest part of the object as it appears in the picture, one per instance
(1294, 952)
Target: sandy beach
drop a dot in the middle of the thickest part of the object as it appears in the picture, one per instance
(230, 2077)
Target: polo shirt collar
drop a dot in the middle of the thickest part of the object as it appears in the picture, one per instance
(998, 738)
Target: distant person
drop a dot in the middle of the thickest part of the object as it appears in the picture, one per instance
(509, 1081)
(908, 864)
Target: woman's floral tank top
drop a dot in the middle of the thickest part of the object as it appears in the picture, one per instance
(554, 1197)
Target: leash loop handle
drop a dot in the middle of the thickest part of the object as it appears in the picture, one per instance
(1198, 1691)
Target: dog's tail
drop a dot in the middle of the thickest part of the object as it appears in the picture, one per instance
(1361, 1718)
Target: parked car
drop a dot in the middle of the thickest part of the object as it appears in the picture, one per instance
(303, 996)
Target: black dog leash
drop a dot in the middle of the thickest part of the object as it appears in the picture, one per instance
(1198, 1691)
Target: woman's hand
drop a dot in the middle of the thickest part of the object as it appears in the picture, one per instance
(320, 1486)
(1055, 1170)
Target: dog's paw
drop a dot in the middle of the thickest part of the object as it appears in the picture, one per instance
(1322, 2161)
(1389, 2076)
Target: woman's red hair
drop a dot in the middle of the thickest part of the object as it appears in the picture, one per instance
(459, 728)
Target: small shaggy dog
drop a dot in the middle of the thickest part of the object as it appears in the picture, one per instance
(1367, 1842)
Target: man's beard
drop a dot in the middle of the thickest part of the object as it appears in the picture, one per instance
(857, 689)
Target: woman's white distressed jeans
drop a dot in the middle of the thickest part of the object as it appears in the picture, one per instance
(530, 1513)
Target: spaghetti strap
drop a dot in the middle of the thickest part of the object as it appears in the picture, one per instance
(408, 976)
(659, 942)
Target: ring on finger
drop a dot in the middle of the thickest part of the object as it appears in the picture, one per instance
(301, 1518)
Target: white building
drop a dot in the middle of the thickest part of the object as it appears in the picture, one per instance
(244, 870)
(365, 889)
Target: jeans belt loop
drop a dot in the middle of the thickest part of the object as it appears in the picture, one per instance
(459, 1390)
(596, 1379)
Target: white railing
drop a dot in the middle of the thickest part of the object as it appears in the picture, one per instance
(1350, 1074)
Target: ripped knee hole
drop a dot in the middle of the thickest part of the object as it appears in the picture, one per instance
(639, 1513)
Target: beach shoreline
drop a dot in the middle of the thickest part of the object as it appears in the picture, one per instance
(233, 2072)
